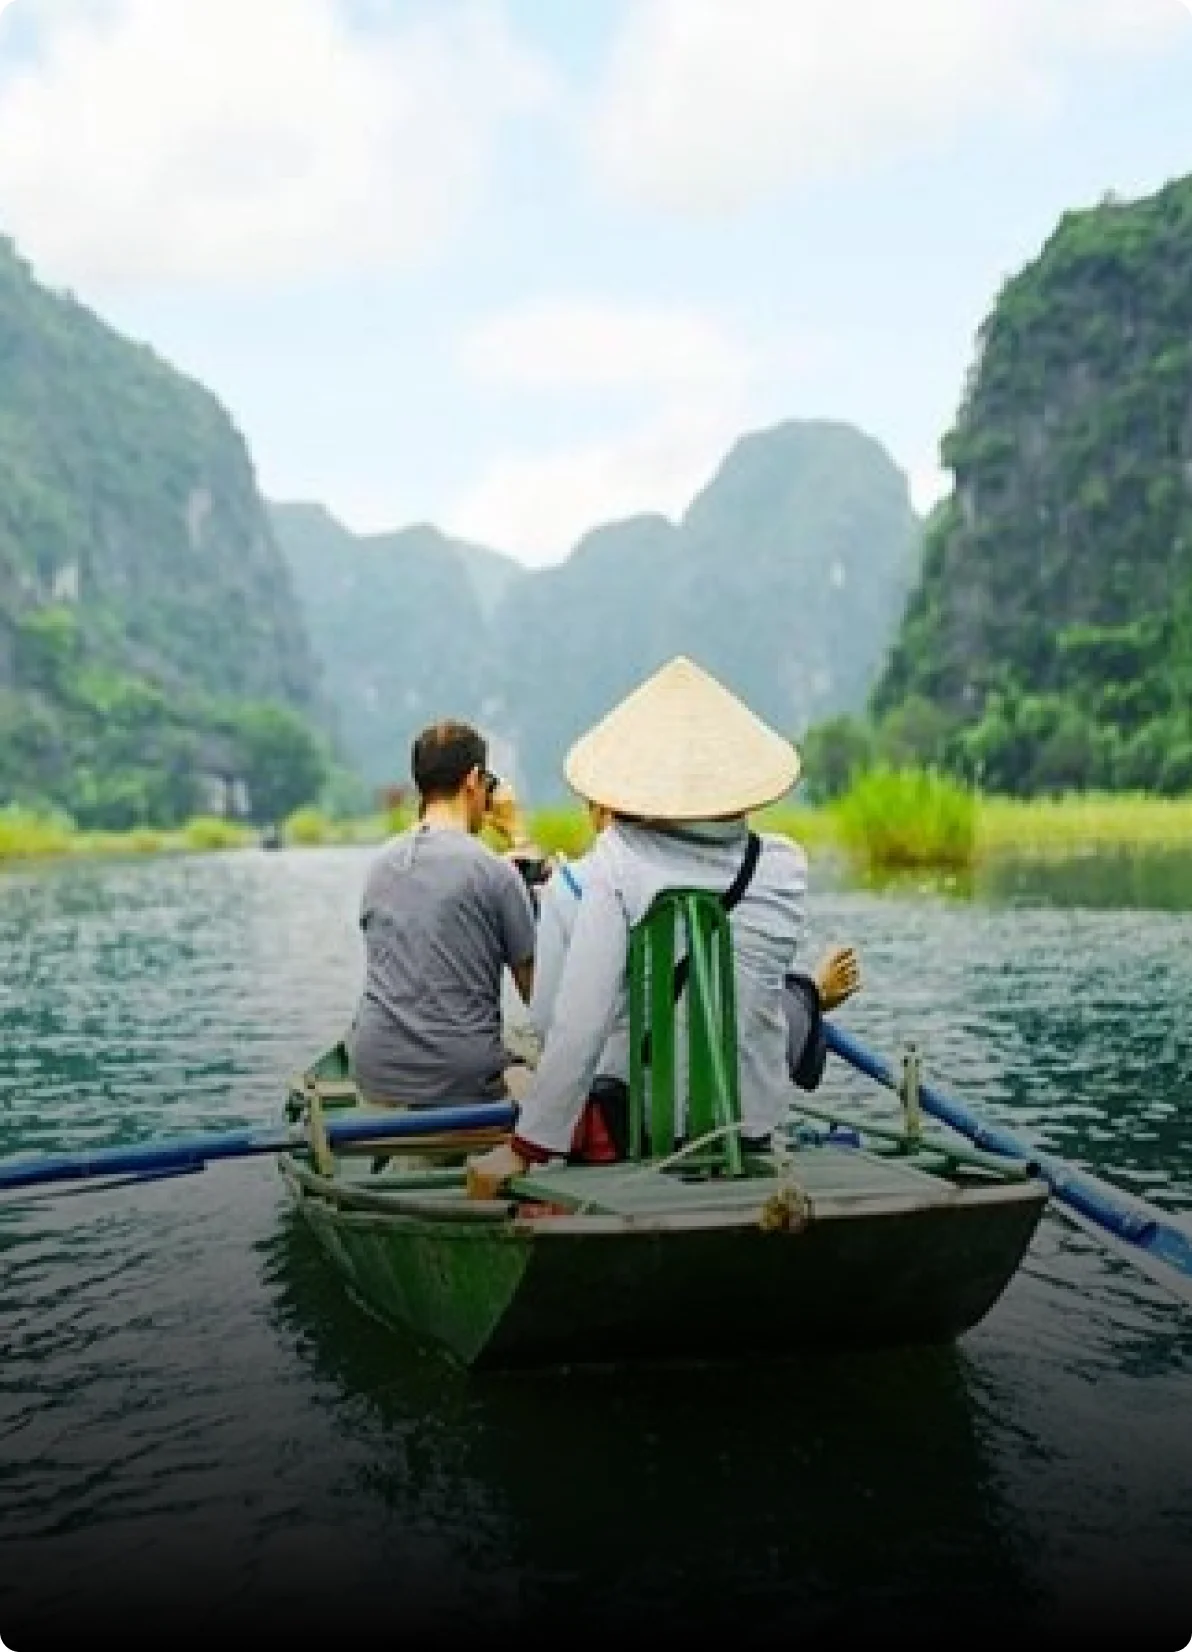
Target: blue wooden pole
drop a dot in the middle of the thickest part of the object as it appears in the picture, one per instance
(1136, 1222)
(166, 1157)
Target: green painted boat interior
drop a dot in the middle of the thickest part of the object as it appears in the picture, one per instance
(818, 1172)
(845, 1232)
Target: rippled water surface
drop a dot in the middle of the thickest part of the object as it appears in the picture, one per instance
(198, 1433)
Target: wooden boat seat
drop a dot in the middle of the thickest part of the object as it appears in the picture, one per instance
(682, 950)
(336, 1092)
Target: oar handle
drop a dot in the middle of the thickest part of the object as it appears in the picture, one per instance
(1082, 1192)
(193, 1152)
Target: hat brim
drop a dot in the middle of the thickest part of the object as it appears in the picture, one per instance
(682, 747)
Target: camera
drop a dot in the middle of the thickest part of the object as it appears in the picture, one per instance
(535, 872)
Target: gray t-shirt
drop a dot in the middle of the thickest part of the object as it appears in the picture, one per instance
(442, 915)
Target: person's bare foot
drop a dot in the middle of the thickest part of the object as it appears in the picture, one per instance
(837, 975)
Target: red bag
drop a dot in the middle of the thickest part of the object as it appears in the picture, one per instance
(601, 1136)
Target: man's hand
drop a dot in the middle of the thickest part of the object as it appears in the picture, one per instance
(504, 816)
(488, 1173)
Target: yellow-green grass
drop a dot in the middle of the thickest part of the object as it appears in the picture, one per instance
(27, 836)
(814, 828)
(1061, 825)
(566, 831)
(913, 823)
(569, 830)
(307, 827)
(374, 828)
(311, 828)
(892, 819)
(141, 840)
(213, 832)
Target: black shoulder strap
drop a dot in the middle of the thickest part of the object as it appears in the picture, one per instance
(745, 873)
(728, 900)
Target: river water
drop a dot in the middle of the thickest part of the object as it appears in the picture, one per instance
(198, 1433)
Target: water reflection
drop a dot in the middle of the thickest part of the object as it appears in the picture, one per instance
(1145, 879)
(776, 1497)
(195, 1425)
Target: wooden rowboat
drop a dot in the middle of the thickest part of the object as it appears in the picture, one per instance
(839, 1237)
(850, 1231)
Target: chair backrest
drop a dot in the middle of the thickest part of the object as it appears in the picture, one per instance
(690, 924)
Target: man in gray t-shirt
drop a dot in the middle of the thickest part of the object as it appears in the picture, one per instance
(442, 917)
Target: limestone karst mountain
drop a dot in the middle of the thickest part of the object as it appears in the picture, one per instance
(1048, 643)
(786, 575)
(143, 598)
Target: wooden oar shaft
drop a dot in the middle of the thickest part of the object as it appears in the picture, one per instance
(1125, 1216)
(193, 1152)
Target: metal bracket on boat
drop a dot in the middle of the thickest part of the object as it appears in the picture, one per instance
(316, 1129)
(908, 1090)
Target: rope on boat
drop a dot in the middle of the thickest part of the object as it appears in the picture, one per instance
(404, 1204)
(735, 1127)
(788, 1208)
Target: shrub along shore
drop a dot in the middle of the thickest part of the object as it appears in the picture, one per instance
(889, 819)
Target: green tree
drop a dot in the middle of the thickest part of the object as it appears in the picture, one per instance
(285, 765)
(915, 734)
(834, 753)
(48, 647)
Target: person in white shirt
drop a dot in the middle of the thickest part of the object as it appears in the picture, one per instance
(680, 764)
(558, 904)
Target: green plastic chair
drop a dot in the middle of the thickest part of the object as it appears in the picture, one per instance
(698, 918)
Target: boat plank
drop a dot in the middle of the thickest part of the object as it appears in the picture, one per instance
(819, 1172)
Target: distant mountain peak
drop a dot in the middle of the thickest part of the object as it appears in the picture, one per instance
(785, 578)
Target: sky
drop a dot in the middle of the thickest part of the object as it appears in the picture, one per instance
(521, 267)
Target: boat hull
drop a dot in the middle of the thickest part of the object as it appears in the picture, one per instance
(683, 1284)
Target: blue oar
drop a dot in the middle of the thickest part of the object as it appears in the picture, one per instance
(167, 1158)
(1139, 1230)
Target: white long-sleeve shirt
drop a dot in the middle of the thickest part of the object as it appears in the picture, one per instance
(589, 1026)
(525, 1025)
(558, 906)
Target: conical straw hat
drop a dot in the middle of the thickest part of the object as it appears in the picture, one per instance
(681, 747)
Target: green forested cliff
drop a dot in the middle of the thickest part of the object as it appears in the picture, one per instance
(155, 640)
(1048, 643)
(151, 643)
(159, 654)
(786, 575)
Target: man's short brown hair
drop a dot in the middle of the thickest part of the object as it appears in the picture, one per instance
(442, 757)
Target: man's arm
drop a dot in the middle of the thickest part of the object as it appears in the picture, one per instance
(516, 916)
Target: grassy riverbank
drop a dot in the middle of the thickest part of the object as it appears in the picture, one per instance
(889, 820)
(1066, 824)
(920, 821)
(25, 836)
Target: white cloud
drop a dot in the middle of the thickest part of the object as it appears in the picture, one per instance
(536, 506)
(706, 106)
(232, 140)
(591, 344)
(691, 379)
(928, 484)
